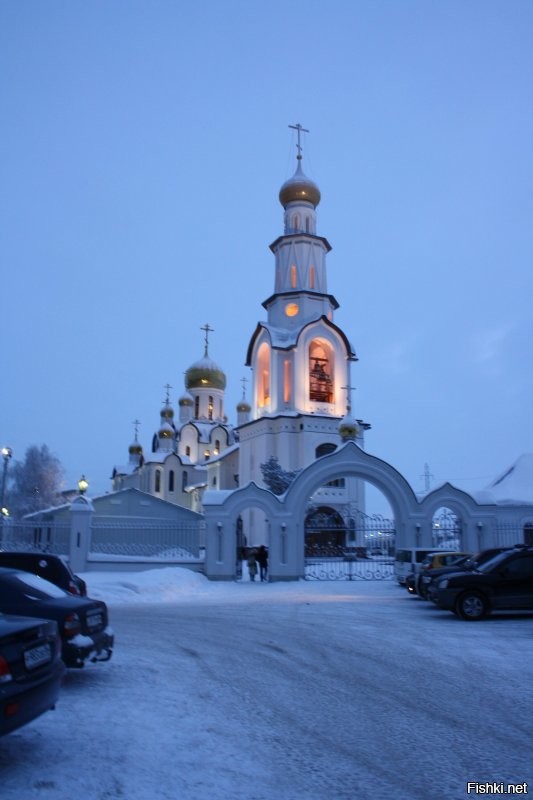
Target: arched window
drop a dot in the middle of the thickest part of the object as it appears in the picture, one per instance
(307, 225)
(311, 277)
(295, 223)
(324, 449)
(217, 447)
(210, 407)
(188, 450)
(196, 407)
(171, 481)
(320, 371)
(263, 375)
(158, 480)
(184, 480)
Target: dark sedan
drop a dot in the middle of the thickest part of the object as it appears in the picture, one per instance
(82, 622)
(31, 670)
(504, 582)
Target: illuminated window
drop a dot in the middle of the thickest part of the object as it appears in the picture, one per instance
(210, 407)
(287, 381)
(311, 277)
(263, 375)
(293, 277)
(320, 372)
(291, 309)
(188, 450)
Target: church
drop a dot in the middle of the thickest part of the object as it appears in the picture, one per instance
(300, 390)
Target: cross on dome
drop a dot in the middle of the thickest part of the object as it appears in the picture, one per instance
(299, 130)
(207, 330)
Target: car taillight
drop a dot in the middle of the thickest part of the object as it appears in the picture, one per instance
(5, 672)
(71, 625)
(73, 589)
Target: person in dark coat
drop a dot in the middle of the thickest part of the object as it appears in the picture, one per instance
(252, 564)
(262, 560)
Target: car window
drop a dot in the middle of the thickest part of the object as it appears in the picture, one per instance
(40, 587)
(493, 562)
(520, 567)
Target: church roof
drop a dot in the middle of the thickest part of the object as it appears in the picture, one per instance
(514, 485)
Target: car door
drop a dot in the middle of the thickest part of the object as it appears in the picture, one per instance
(515, 587)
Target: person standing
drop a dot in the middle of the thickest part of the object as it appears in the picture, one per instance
(252, 564)
(262, 560)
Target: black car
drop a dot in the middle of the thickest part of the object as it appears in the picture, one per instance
(82, 622)
(504, 582)
(31, 670)
(429, 580)
(51, 568)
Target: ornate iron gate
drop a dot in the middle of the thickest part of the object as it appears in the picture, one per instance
(348, 547)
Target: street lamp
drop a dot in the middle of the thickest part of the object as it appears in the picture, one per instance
(7, 453)
(83, 484)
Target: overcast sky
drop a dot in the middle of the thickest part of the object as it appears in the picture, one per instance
(144, 143)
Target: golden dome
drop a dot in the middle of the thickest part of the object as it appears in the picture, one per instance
(205, 374)
(299, 188)
(167, 412)
(166, 431)
(135, 448)
(348, 428)
(243, 406)
(186, 400)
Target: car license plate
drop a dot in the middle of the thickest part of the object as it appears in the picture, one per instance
(94, 620)
(37, 656)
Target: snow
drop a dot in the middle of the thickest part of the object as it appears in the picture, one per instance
(284, 691)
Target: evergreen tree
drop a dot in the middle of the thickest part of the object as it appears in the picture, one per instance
(35, 483)
(275, 477)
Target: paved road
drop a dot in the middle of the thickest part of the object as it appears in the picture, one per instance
(358, 694)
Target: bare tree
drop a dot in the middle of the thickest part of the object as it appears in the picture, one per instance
(35, 483)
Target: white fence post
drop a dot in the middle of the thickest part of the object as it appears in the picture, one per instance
(81, 514)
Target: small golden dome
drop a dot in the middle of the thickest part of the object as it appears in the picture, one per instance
(348, 428)
(166, 431)
(167, 412)
(135, 448)
(244, 407)
(186, 400)
(299, 188)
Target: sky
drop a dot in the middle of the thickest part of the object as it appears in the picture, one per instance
(143, 147)
(240, 690)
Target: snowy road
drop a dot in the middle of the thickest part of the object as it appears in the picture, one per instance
(303, 692)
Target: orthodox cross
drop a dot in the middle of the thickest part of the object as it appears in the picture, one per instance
(136, 424)
(207, 330)
(299, 130)
(348, 390)
(244, 381)
(168, 387)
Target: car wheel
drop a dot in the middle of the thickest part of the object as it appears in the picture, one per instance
(471, 606)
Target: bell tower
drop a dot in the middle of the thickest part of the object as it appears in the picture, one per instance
(300, 358)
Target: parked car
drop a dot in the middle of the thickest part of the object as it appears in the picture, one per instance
(504, 582)
(408, 560)
(82, 622)
(31, 670)
(429, 579)
(52, 568)
(433, 561)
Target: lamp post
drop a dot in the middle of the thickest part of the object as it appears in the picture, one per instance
(7, 453)
(83, 484)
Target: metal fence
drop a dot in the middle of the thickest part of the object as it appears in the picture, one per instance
(41, 538)
(153, 540)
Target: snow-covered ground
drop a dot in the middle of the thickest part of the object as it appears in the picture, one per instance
(298, 691)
